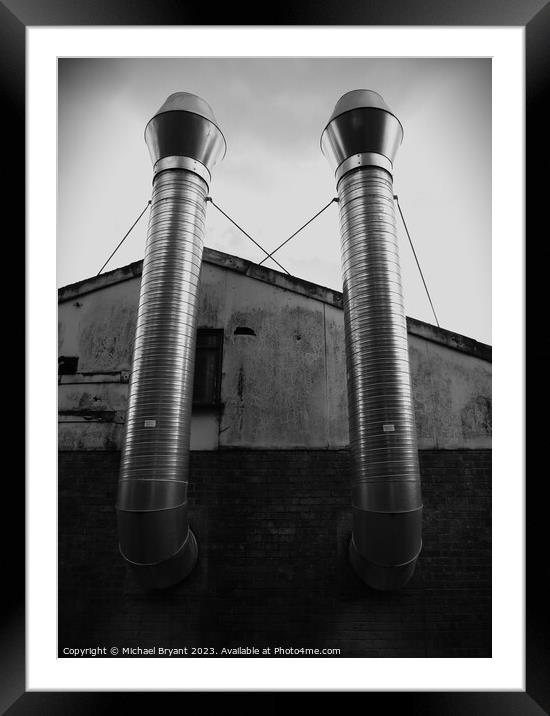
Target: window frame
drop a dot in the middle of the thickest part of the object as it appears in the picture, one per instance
(219, 334)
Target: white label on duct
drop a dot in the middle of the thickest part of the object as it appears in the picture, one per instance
(150, 424)
(388, 428)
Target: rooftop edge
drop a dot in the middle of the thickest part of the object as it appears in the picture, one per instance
(314, 291)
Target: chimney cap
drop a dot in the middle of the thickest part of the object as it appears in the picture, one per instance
(185, 126)
(361, 124)
(359, 99)
(187, 102)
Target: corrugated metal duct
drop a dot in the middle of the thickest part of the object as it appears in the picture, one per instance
(361, 140)
(154, 535)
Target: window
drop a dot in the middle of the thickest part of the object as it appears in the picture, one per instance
(67, 365)
(208, 367)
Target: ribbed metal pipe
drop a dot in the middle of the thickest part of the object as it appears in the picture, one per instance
(386, 493)
(154, 470)
(154, 534)
(386, 485)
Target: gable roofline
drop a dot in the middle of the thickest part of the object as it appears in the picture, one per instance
(427, 331)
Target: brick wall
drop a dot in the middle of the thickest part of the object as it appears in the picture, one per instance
(272, 528)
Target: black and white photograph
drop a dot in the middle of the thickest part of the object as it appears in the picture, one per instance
(274, 357)
(269, 266)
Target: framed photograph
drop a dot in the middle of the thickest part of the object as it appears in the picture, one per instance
(276, 567)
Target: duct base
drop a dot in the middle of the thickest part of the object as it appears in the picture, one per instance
(172, 570)
(378, 576)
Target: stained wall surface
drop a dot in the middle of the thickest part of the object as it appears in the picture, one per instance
(283, 387)
(269, 490)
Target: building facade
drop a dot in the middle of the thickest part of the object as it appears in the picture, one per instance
(269, 495)
(270, 369)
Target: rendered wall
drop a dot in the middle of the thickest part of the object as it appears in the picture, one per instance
(284, 387)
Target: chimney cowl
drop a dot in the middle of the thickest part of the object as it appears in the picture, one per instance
(185, 126)
(361, 126)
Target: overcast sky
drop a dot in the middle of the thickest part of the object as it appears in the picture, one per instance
(274, 176)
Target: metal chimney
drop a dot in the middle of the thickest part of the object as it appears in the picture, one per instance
(154, 535)
(360, 141)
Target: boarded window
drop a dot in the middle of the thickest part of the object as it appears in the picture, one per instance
(208, 367)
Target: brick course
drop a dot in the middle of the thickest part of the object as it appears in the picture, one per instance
(272, 528)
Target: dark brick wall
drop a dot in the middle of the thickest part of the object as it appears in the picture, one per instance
(272, 528)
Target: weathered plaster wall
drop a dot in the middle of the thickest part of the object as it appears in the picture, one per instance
(99, 328)
(274, 385)
(284, 387)
(452, 396)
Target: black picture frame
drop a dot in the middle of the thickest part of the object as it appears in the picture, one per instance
(534, 15)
